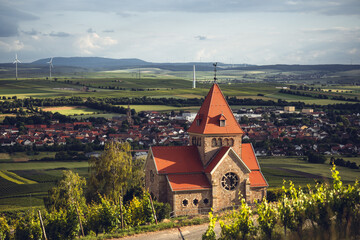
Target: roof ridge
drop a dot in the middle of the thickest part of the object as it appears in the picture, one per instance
(214, 156)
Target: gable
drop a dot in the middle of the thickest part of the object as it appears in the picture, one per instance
(213, 110)
(177, 159)
(220, 157)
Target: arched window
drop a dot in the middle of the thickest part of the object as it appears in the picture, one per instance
(213, 142)
(185, 202)
(226, 142)
(193, 141)
(198, 141)
(231, 142)
(219, 142)
(195, 202)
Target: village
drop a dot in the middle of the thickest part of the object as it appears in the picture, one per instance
(273, 131)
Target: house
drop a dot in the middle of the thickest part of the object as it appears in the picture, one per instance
(215, 171)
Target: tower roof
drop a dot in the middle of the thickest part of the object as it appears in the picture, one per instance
(213, 110)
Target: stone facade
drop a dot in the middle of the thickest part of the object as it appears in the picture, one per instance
(192, 202)
(208, 145)
(156, 183)
(222, 197)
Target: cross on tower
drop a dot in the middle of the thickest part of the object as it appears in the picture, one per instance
(215, 64)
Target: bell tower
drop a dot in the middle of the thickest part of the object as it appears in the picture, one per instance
(215, 126)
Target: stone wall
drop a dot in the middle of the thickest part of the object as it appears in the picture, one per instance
(223, 198)
(192, 202)
(155, 183)
(257, 194)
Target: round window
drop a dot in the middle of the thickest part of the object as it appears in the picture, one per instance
(229, 181)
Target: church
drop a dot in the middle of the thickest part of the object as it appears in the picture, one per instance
(215, 171)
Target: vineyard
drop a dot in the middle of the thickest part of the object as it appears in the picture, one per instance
(319, 212)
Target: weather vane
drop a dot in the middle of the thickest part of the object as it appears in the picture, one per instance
(215, 64)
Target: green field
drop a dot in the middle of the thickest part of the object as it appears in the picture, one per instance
(26, 183)
(155, 86)
(72, 110)
(276, 169)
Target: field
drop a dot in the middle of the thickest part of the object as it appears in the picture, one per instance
(157, 86)
(41, 176)
(71, 110)
(275, 169)
(24, 184)
(160, 108)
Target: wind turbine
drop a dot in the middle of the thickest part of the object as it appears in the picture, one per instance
(50, 66)
(16, 62)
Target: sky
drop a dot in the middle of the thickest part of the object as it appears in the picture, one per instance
(230, 31)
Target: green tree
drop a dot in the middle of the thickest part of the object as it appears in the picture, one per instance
(110, 171)
(67, 192)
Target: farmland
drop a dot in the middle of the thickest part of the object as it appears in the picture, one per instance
(24, 183)
(34, 179)
(44, 174)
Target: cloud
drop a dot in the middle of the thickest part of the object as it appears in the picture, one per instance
(12, 46)
(129, 7)
(201, 37)
(90, 30)
(33, 32)
(59, 34)
(92, 42)
(109, 31)
(10, 18)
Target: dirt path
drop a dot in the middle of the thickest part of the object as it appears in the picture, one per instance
(190, 232)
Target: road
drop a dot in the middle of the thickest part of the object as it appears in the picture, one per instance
(190, 232)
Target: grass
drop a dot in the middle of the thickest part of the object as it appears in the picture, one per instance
(23, 157)
(24, 184)
(13, 177)
(71, 110)
(277, 169)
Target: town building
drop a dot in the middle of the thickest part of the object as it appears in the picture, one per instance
(289, 109)
(215, 171)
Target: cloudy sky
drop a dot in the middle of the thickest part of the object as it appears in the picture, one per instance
(230, 31)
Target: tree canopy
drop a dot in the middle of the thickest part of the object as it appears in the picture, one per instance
(110, 172)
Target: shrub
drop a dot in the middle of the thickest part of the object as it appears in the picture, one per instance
(28, 228)
(4, 229)
(62, 224)
(316, 158)
(162, 210)
(274, 195)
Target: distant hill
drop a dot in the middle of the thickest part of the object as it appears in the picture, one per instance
(93, 62)
(284, 67)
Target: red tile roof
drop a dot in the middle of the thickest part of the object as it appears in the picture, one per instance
(248, 156)
(216, 159)
(214, 108)
(177, 159)
(183, 182)
(257, 179)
